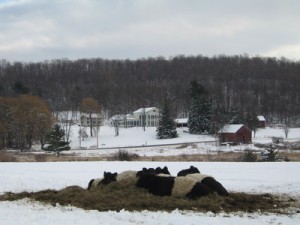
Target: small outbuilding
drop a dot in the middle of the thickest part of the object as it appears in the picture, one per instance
(235, 134)
(181, 122)
(261, 121)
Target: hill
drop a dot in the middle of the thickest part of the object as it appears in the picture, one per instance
(267, 86)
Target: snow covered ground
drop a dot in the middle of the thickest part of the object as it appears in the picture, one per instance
(275, 178)
(136, 136)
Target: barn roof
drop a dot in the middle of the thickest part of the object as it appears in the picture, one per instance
(231, 128)
(261, 118)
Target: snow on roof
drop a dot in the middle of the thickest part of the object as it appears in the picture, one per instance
(93, 115)
(261, 118)
(181, 120)
(146, 109)
(117, 117)
(231, 128)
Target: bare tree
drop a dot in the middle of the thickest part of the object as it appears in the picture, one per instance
(268, 86)
(116, 126)
(66, 120)
(286, 130)
(29, 121)
(90, 106)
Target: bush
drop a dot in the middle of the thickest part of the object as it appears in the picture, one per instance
(123, 155)
(249, 156)
(270, 154)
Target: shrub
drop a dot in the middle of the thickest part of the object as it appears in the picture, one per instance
(123, 155)
(249, 156)
(270, 154)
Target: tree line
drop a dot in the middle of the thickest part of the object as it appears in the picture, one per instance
(256, 85)
(24, 120)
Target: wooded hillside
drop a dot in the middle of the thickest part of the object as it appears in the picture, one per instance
(266, 86)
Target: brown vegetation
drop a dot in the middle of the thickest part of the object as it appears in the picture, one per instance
(23, 120)
(124, 195)
(5, 157)
(213, 157)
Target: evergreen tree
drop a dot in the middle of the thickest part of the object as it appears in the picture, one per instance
(235, 117)
(251, 121)
(55, 140)
(200, 110)
(166, 126)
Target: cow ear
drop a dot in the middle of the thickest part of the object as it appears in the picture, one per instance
(104, 174)
(115, 174)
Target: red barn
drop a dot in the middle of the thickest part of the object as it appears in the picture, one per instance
(261, 121)
(235, 133)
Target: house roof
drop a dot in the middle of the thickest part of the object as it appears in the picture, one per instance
(93, 115)
(181, 120)
(231, 128)
(141, 110)
(261, 118)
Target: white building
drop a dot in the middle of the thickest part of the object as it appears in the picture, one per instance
(150, 115)
(181, 122)
(86, 120)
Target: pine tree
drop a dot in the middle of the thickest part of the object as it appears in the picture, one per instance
(200, 110)
(55, 140)
(235, 117)
(166, 126)
(251, 121)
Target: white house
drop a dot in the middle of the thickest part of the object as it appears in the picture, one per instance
(150, 115)
(86, 121)
(127, 120)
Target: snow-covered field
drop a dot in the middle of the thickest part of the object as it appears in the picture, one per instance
(275, 178)
(136, 136)
(109, 144)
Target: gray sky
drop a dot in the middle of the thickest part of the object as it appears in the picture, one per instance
(37, 30)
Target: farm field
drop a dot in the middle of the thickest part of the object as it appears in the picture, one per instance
(145, 146)
(276, 178)
(279, 178)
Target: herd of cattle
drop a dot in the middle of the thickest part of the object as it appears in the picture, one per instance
(188, 182)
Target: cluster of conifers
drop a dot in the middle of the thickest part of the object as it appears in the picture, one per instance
(188, 182)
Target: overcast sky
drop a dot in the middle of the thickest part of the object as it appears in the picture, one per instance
(37, 30)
